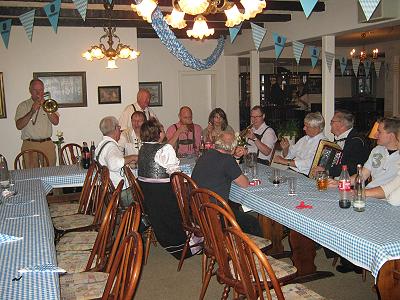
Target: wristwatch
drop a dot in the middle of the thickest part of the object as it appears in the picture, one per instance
(288, 162)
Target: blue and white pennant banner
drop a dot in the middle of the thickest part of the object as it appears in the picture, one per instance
(27, 22)
(81, 6)
(377, 65)
(279, 41)
(368, 7)
(52, 11)
(5, 30)
(233, 32)
(343, 64)
(356, 64)
(329, 57)
(298, 48)
(258, 34)
(367, 67)
(314, 54)
(308, 6)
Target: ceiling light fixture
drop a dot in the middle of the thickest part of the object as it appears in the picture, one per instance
(198, 9)
(363, 55)
(101, 51)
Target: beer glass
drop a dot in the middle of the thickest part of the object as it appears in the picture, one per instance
(322, 180)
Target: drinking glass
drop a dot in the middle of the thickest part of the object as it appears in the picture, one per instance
(276, 176)
(292, 183)
(251, 165)
(322, 180)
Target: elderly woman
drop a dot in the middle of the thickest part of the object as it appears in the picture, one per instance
(299, 157)
(217, 122)
(156, 162)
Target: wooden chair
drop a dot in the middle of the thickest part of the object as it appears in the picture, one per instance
(28, 159)
(137, 195)
(213, 236)
(182, 185)
(252, 270)
(122, 270)
(70, 154)
(92, 213)
(95, 260)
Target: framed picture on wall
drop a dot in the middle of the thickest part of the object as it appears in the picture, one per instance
(109, 94)
(314, 84)
(3, 113)
(155, 89)
(67, 88)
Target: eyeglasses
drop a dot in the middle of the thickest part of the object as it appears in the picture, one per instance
(256, 116)
(333, 121)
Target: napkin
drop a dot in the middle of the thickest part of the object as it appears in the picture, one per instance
(4, 238)
(42, 268)
(302, 205)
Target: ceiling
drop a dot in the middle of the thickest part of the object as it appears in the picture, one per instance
(123, 16)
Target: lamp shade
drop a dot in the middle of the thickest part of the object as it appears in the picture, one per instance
(374, 131)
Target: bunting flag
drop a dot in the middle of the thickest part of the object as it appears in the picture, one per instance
(329, 57)
(343, 64)
(258, 33)
(279, 41)
(308, 6)
(52, 11)
(110, 1)
(377, 65)
(314, 54)
(367, 67)
(233, 32)
(297, 50)
(368, 7)
(356, 64)
(27, 22)
(5, 29)
(81, 6)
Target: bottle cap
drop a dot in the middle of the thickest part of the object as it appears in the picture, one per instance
(344, 167)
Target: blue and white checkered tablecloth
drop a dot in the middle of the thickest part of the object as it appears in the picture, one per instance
(27, 215)
(367, 239)
(57, 176)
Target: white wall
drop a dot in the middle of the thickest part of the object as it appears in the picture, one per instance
(50, 52)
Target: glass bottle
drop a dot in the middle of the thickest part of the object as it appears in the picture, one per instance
(92, 152)
(4, 173)
(85, 156)
(359, 191)
(344, 188)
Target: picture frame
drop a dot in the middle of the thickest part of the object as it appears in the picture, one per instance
(314, 84)
(67, 88)
(155, 89)
(109, 94)
(327, 155)
(3, 111)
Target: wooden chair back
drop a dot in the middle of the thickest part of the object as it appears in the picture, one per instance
(273, 153)
(251, 265)
(137, 193)
(30, 158)
(70, 154)
(91, 177)
(125, 271)
(98, 253)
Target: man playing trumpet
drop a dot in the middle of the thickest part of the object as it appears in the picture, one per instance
(260, 136)
(36, 124)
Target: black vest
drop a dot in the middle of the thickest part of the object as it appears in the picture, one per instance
(147, 167)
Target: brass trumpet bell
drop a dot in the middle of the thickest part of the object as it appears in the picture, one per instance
(49, 105)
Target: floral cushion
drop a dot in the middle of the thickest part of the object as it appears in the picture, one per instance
(297, 292)
(77, 241)
(259, 241)
(73, 262)
(63, 209)
(73, 221)
(87, 285)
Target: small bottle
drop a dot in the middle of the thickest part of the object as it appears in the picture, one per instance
(92, 152)
(85, 156)
(359, 191)
(4, 174)
(202, 146)
(344, 188)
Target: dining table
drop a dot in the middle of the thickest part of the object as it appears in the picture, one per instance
(28, 264)
(369, 239)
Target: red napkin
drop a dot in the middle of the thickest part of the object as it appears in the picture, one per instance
(302, 205)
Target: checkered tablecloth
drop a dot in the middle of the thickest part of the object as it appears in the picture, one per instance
(367, 239)
(27, 215)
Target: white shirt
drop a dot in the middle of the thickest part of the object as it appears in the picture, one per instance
(383, 167)
(129, 142)
(125, 118)
(392, 190)
(113, 158)
(303, 152)
(269, 138)
(342, 136)
(166, 158)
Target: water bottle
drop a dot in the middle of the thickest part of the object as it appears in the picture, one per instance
(4, 174)
(344, 188)
(359, 191)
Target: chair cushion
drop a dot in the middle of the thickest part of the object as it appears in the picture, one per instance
(297, 292)
(72, 222)
(259, 241)
(63, 209)
(86, 285)
(77, 241)
(73, 261)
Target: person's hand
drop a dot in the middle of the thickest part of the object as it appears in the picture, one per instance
(240, 151)
(183, 129)
(210, 128)
(316, 169)
(279, 159)
(332, 183)
(284, 143)
(36, 105)
(250, 135)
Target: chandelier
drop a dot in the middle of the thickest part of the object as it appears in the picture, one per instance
(108, 52)
(198, 9)
(363, 55)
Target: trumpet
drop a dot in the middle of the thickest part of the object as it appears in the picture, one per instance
(243, 133)
(49, 106)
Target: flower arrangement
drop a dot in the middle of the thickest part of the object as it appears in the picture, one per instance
(60, 140)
